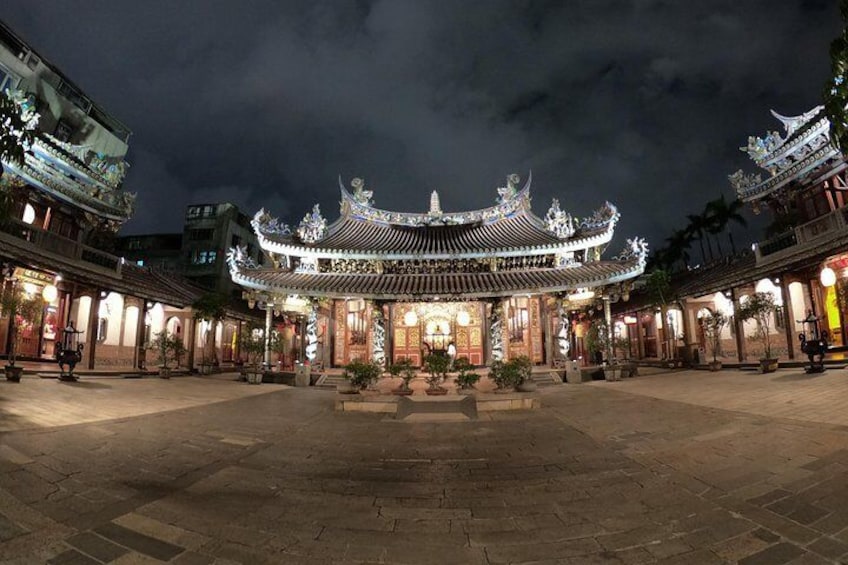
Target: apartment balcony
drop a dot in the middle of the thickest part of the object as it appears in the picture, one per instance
(806, 238)
(30, 242)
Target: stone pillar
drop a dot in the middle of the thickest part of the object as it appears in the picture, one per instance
(484, 333)
(610, 333)
(640, 339)
(663, 345)
(788, 322)
(91, 331)
(739, 327)
(140, 355)
(191, 338)
(390, 333)
(269, 321)
(239, 337)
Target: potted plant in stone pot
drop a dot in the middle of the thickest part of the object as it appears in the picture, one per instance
(713, 322)
(466, 378)
(252, 344)
(167, 347)
(19, 307)
(405, 370)
(760, 307)
(438, 367)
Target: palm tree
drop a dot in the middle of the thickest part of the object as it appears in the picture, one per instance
(724, 213)
(678, 247)
(698, 225)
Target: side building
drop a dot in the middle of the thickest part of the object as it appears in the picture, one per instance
(802, 184)
(57, 237)
(199, 252)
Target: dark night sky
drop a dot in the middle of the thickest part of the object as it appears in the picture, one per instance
(640, 102)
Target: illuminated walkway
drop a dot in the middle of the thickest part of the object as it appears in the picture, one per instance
(203, 470)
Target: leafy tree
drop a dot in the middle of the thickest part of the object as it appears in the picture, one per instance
(836, 90)
(20, 308)
(16, 131)
(712, 324)
(211, 307)
(760, 307)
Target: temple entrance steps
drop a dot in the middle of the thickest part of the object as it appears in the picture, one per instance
(329, 380)
(453, 408)
(546, 378)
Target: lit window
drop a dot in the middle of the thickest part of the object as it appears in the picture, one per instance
(29, 214)
(140, 262)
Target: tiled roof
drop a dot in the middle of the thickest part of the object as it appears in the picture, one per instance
(499, 283)
(517, 231)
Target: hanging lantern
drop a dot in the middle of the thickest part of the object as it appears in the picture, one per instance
(410, 318)
(463, 318)
(50, 293)
(828, 277)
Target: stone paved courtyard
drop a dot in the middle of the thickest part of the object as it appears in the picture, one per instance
(681, 467)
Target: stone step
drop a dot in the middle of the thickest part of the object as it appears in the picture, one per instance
(419, 407)
(329, 381)
(546, 378)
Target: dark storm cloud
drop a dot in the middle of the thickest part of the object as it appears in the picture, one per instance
(641, 102)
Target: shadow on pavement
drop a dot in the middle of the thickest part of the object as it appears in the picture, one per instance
(84, 384)
(798, 377)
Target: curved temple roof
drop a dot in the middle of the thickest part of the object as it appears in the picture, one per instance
(447, 285)
(805, 147)
(509, 229)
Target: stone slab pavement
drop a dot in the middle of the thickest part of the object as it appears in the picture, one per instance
(602, 473)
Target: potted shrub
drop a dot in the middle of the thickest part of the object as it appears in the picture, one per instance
(19, 307)
(438, 367)
(523, 374)
(168, 347)
(252, 344)
(595, 341)
(760, 307)
(360, 374)
(466, 377)
(403, 369)
(713, 323)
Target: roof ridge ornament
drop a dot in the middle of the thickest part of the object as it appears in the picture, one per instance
(559, 222)
(360, 195)
(237, 259)
(794, 123)
(742, 181)
(635, 248)
(605, 216)
(313, 226)
(508, 192)
(435, 205)
(263, 222)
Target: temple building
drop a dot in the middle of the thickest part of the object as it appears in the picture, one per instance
(496, 283)
(803, 263)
